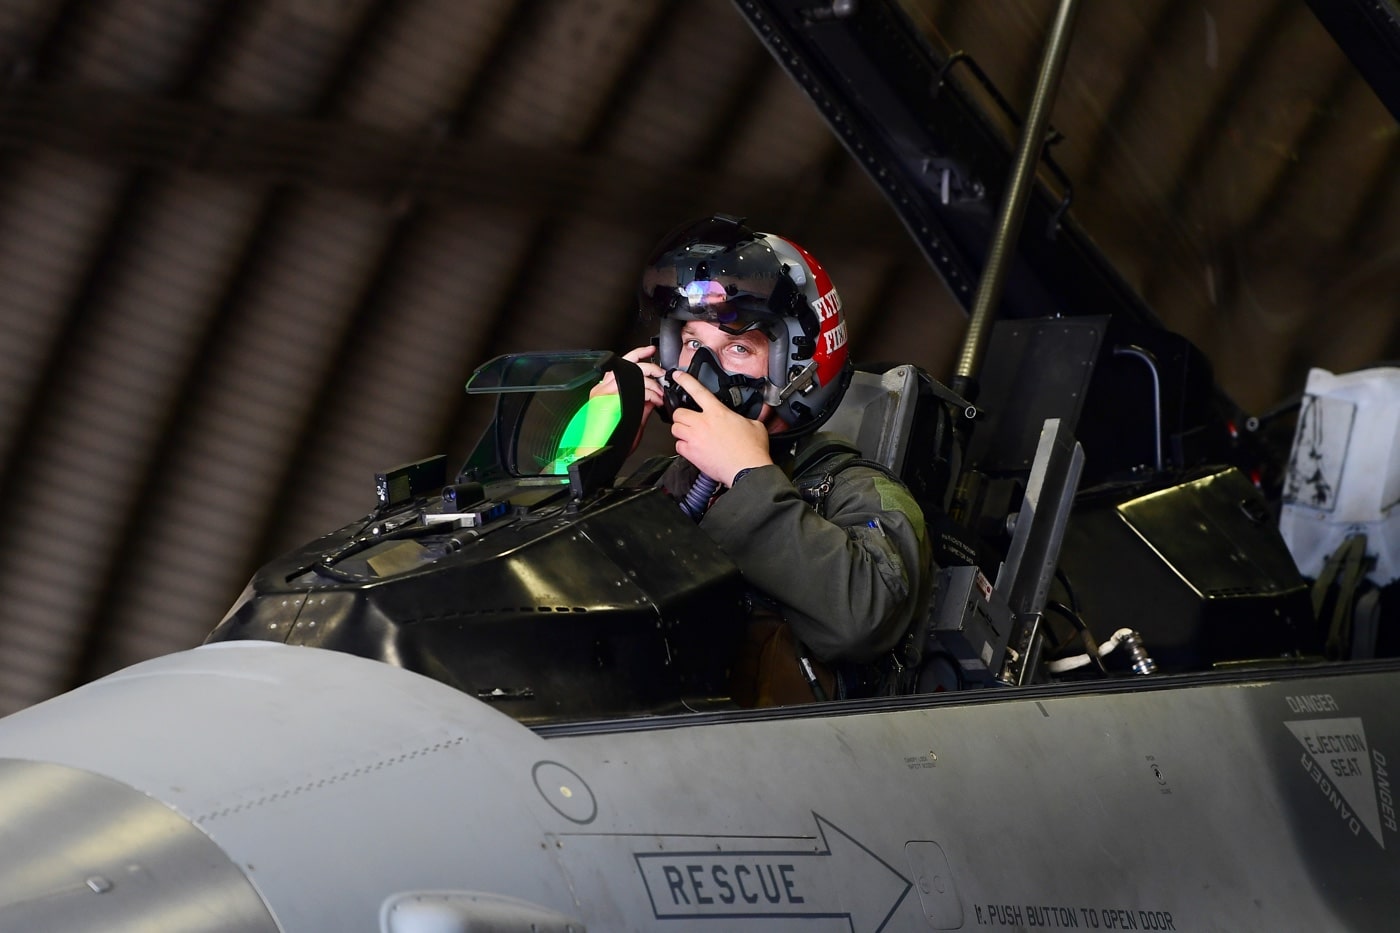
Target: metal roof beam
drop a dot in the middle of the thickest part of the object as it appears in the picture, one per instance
(1368, 31)
(148, 132)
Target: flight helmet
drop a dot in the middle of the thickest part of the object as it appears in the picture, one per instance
(720, 271)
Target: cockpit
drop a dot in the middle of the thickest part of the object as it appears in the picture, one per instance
(550, 578)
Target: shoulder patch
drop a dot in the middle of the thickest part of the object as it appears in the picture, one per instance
(895, 498)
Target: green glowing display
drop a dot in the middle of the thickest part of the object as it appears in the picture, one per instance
(587, 432)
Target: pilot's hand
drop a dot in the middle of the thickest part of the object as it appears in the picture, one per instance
(719, 441)
(651, 372)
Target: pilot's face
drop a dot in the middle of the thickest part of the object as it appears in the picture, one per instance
(743, 354)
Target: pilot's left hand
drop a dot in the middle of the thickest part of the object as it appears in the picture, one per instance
(719, 441)
(652, 398)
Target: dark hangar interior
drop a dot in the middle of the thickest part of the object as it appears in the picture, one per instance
(250, 250)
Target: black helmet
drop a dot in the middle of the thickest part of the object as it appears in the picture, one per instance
(719, 271)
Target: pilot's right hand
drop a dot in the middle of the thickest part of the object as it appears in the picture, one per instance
(719, 441)
(651, 373)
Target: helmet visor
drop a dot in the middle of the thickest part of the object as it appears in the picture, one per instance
(736, 282)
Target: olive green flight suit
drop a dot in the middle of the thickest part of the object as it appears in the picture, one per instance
(850, 573)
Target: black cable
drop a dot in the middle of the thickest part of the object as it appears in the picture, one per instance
(1091, 646)
(1069, 590)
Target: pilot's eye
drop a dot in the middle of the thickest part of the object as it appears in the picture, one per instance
(742, 349)
(692, 344)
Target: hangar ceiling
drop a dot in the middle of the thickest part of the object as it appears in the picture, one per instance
(251, 249)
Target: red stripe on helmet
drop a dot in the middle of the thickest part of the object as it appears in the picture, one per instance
(831, 351)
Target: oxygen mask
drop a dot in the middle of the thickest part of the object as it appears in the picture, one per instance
(743, 394)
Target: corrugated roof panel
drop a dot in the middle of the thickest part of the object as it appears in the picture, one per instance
(548, 92)
(1157, 126)
(579, 291)
(697, 68)
(399, 382)
(420, 65)
(1362, 143)
(1271, 113)
(246, 410)
(182, 573)
(23, 25)
(787, 139)
(1110, 43)
(37, 652)
(52, 212)
(278, 57)
(913, 320)
(92, 447)
(134, 44)
(1151, 137)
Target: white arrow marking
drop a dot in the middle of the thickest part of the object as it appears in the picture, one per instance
(841, 879)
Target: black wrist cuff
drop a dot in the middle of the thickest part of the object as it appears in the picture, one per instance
(740, 475)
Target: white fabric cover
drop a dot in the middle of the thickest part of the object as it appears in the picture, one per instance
(1344, 471)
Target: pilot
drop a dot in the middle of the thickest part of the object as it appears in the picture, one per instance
(750, 360)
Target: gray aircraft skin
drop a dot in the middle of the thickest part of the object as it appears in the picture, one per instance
(254, 786)
(265, 782)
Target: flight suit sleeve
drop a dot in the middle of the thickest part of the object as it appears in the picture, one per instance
(852, 581)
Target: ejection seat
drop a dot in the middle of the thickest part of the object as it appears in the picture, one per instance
(877, 412)
(899, 416)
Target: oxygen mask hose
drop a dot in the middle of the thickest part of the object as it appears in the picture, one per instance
(698, 499)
